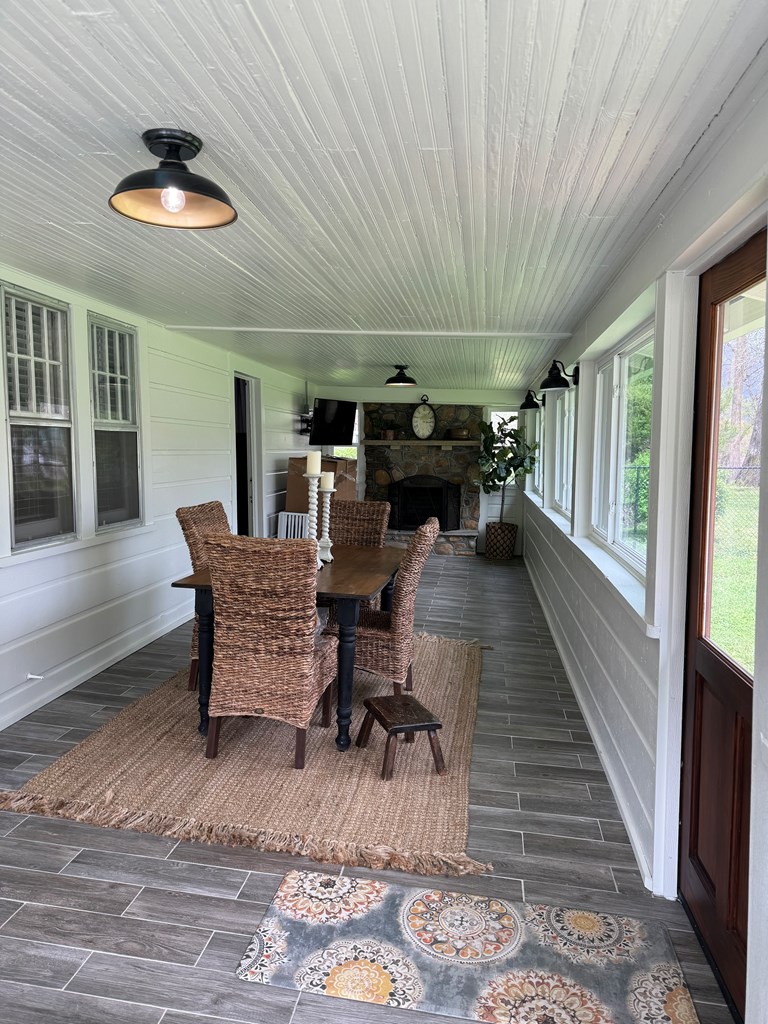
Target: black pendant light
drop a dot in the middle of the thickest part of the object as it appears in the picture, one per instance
(557, 378)
(171, 196)
(400, 379)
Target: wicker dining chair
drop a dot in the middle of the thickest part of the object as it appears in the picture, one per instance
(268, 660)
(360, 523)
(196, 522)
(363, 523)
(384, 640)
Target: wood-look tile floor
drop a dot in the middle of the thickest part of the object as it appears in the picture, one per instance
(105, 925)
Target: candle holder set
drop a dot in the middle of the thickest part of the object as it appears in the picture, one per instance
(322, 483)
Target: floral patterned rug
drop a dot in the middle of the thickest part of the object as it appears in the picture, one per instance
(465, 956)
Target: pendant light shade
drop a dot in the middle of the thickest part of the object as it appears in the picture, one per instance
(400, 379)
(557, 378)
(171, 196)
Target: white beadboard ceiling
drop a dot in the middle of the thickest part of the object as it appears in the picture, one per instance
(444, 183)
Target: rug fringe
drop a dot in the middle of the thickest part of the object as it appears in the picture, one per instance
(325, 851)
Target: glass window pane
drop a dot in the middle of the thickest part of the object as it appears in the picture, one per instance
(732, 562)
(602, 451)
(20, 323)
(117, 476)
(38, 341)
(42, 482)
(635, 448)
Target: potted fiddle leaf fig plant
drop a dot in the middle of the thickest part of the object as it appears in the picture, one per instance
(505, 458)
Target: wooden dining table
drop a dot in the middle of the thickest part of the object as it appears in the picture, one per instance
(356, 574)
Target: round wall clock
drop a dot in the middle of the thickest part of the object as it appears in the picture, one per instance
(423, 419)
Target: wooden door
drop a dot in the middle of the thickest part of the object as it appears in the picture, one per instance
(721, 608)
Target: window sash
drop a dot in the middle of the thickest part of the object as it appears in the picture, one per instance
(564, 417)
(36, 345)
(116, 457)
(43, 495)
(113, 373)
(538, 433)
(116, 434)
(610, 478)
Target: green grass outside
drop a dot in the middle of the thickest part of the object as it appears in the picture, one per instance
(734, 574)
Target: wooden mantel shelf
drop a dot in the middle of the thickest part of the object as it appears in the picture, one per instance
(415, 443)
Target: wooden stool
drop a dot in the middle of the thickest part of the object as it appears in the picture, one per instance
(400, 713)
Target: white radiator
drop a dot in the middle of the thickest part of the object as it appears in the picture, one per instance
(292, 524)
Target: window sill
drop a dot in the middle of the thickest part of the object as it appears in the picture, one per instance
(628, 588)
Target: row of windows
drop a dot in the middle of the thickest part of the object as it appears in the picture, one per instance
(621, 447)
(38, 387)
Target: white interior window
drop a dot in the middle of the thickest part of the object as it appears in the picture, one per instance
(115, 421)
(40, 424)
(565, 404)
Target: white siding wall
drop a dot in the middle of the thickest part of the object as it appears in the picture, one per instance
(281, 407)
(70, 609)
(612, 665)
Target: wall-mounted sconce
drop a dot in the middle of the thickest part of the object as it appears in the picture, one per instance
(532, 401)
(557, 378)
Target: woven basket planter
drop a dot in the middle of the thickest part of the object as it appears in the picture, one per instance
(500, 540)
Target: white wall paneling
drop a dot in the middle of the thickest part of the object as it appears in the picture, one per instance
(72, 608)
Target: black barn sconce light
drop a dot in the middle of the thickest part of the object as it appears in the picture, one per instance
(532, 401)
(557, 378)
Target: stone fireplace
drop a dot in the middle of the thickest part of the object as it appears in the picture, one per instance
(423, 478)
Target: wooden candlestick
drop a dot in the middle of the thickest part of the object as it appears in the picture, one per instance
(325, 543)
(313, 479)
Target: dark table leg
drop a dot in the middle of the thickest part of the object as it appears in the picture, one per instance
(347, 612)
(387, 592)
(204, 609)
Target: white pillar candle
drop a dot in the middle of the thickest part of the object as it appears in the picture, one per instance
(313, 463)
(326, 481)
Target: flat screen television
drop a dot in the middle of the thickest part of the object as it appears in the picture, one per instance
(333, 422)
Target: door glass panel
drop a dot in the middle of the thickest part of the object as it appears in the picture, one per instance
(731, 570)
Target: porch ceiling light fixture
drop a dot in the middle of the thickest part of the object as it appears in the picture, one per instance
(532, 401)
(171, 196)
(557, 378)
(400, 379)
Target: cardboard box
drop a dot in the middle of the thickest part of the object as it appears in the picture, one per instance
(345, 471)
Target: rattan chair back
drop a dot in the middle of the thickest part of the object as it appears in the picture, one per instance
(196, 522)
(408, 578)
(264, 655)
(384, 640)
(362, 523)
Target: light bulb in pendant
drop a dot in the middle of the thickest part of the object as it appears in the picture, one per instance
(173, 199)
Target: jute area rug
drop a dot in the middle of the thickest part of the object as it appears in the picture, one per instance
(465, 956)
(146, 770)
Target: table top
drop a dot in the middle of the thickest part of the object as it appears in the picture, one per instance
(355, 572)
